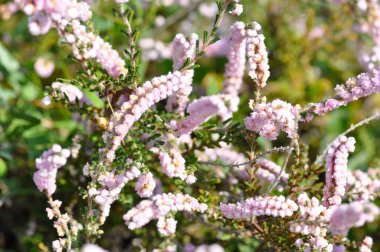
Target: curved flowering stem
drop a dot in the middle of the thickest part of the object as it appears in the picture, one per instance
(320, 158)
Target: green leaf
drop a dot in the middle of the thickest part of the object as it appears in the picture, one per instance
(3, 168)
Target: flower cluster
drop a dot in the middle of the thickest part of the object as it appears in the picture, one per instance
(269, 119)
(362, 186)
(265, 170)
(257, 56)
(354, 214)
(237, 8)
(67, 16)
(361, 86)
(224, 153)
(46, 14)
(159, 207)
(174, 165)
(166, 226)
(366, 245)
(200, 111)
(61, 224)
(166, 140)
(145, 185)
(47, 166)
(155, 49)
(277, 206)
(234, 68)
(183, 49)
(224, 104)
(111, 185)
(87, 45)
(336, 170)
(44, 67)
(370, 25)
(315, 244)
(312, 217)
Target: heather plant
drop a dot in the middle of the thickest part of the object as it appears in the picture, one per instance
(149, 161)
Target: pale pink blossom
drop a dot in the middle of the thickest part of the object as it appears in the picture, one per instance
(257, 56)
(354, 214)
(166, 226)
(160, 206)
(58, 245)
(313, 217)
(66, 16)
(362, 186)
(44, 67)
(237, 10)
(111, 185)
(234, 68)
(173, 164)
(145, 185)
(276, 206)
(336, 170)
(269, 119)
(183, 49)
(363, 85)
(47, 166)
(366, 245)
(72, 93)
(200, 111)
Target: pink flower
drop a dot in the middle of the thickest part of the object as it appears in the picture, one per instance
(361, 86)
(183, 49)
(366, 245)
(355, 214)
(145, 185)
(277, 206)
(166, 226)
(257, 56)
(71, 92)
(200, 111)
(47, 166)
(160, 206)
(336, 170)
(268, 119)
(234, 69)
(173, 164)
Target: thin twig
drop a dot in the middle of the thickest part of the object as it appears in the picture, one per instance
(283, 167)
(252, 161)
(211, 38)
(319, 159)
